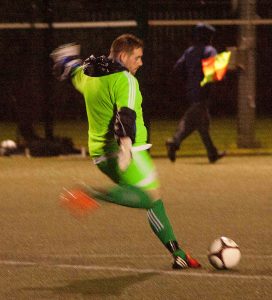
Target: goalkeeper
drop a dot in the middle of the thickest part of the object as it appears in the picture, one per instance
(117, 134)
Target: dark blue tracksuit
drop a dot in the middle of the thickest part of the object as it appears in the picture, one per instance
(197, 116)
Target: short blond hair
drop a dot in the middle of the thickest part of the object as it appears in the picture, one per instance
(125, 43)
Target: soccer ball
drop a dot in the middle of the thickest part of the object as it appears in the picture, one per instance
(8, 144)
(224, 253)
(7, 147)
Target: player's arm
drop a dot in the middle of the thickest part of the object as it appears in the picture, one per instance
(209, 52)
(125, 130)
(179, 68)
(125, 120)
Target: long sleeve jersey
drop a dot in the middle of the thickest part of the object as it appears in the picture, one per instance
(105, 92)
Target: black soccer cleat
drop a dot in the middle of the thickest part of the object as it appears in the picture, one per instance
(215, 158)
(189, 262)
(179, 263)
(171, 150)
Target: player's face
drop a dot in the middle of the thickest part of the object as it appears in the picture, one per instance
(132, 61)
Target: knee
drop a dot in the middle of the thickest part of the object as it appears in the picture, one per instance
(154, 194)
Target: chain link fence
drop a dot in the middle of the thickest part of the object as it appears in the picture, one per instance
(29, 33)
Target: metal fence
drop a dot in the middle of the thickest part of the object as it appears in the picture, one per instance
(29, 33)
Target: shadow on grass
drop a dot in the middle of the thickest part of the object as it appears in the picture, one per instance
(96, 287)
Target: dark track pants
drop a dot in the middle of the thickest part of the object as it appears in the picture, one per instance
(196, 118)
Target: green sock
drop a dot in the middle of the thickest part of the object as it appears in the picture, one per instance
(130, 196)
(161, 226)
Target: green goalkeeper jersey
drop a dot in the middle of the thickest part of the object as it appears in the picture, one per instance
(104, 95)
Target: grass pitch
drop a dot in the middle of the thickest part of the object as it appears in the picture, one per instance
(223, 132)
(45, 253)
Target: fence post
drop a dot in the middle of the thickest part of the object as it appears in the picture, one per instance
(247, 78)
(48, 110)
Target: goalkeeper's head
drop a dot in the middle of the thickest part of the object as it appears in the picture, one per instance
(127, 49)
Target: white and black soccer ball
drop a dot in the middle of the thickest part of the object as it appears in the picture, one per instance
(8, 145)
(224, 253)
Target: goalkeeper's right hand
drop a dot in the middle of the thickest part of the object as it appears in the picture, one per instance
(65, 58)
(124, 155)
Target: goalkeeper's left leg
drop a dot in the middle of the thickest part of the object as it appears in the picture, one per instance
(136, 184)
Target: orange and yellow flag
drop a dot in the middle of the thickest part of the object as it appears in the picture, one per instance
(214, 68)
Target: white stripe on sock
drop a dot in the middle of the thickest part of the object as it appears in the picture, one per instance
(157, 219)
(150, 217)
(154, 220)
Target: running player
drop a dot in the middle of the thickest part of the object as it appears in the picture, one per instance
(196, 117)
